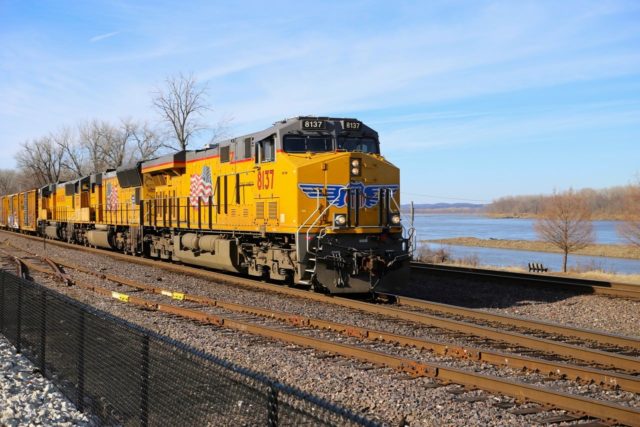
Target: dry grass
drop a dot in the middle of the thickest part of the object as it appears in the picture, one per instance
(613, 251)
(588, 271)
(604, 276)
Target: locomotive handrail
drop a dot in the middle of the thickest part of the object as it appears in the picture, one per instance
(319, 216)
(311, 214)
(410, 232)
(298, 246)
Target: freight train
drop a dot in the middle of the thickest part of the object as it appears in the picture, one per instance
(308, 201)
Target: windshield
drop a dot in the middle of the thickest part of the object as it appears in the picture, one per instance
(324, 143)
(302, 144)
(365, 145)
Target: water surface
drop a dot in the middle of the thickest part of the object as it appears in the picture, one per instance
(445, 226)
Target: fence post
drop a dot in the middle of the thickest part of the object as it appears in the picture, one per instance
(43, 330)
(273, 406)
(144, 383)
(81, 334)
(19, 319)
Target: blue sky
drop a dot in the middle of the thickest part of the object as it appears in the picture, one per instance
(473, 100)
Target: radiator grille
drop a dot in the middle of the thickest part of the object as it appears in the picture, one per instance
(273, 210)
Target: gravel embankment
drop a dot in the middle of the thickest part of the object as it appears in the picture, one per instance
(566, 307)
(381, 394)
(27, 398)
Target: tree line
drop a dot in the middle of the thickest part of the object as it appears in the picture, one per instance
(97, 145)
(610, 203)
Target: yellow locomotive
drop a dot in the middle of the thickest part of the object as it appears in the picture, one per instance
(309, 200)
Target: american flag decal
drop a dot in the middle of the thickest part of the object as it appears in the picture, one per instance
(200, 187)
(112, 197)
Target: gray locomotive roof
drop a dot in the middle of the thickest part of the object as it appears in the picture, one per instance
(173, 157)
(291, 125)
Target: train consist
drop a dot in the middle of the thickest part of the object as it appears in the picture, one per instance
(307, 201)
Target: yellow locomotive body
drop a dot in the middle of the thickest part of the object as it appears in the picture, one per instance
(309, 200)
(282, 203)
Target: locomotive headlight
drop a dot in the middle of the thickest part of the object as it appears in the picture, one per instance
(340, 220)
(395, 218)
(355, 167)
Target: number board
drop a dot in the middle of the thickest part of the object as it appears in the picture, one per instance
(351, 125)
(314, 124)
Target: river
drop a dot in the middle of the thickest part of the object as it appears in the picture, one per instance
(445, 226)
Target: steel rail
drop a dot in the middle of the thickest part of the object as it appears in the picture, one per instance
(21, 268)
(626, 363)
(548, 327)
(614, 289)
(555, 369)
(523, 392)
(566, 401)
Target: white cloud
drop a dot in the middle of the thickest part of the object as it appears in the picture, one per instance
(103, 36)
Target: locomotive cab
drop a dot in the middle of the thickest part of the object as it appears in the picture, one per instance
(349, 236)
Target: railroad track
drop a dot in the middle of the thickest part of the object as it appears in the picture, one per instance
(571, 349)
(620, 344)
(612, 289)
(417, 368)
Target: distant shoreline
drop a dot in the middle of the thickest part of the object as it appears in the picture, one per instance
(480, 212)
(600, 250)
(453, 211)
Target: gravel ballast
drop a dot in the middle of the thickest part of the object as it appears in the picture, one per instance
(563, 306)
(380, 394)
(27, 398)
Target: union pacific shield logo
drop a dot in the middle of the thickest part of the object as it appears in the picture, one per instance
(337, 194)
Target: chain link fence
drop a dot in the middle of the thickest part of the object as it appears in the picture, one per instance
(126, 375)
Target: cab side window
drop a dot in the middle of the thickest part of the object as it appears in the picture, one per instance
(224, 154)
(266, 150)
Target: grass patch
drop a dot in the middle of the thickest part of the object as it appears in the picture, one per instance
(612, 251)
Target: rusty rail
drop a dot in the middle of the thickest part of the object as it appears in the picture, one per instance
(555, 369)
(603, 410)
(626, 363)
(552, 328)
(21, 268)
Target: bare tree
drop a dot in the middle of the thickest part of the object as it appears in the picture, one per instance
(73, 155)
(115, 143)
(91, 142)
(565, 222)
(630, 228)
(146, 140)
(8, 181)
(181, 104)
(221, 129)
(42, 159)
